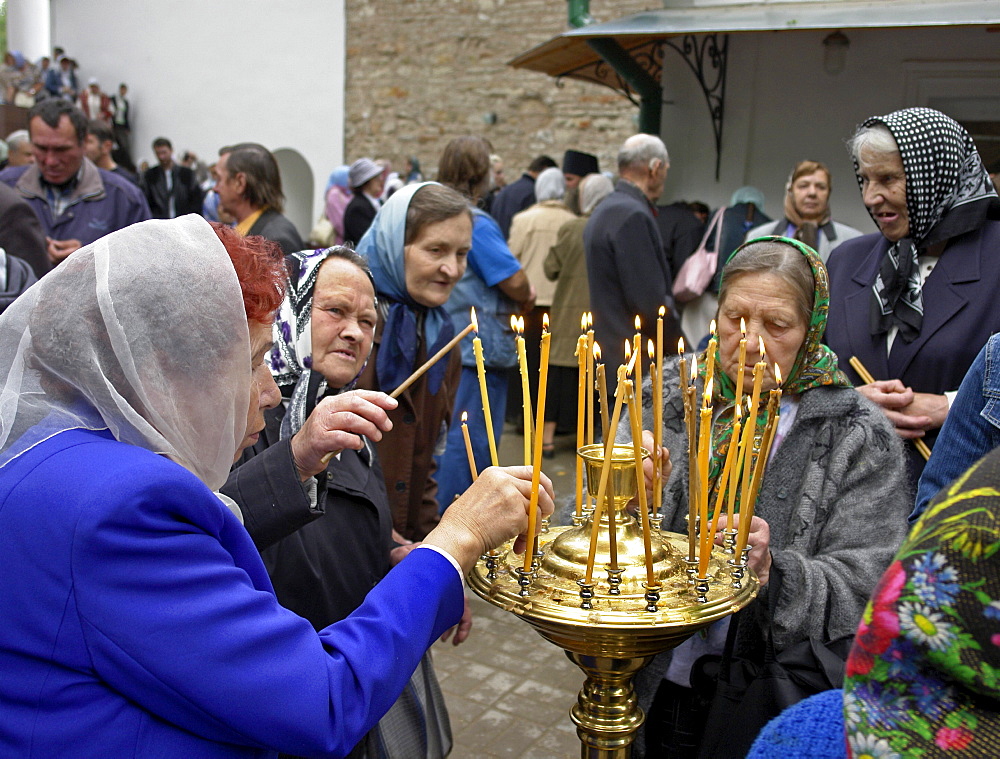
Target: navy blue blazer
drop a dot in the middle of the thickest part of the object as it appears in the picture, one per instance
(961, 311)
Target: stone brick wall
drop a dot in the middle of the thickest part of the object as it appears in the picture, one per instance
(420, 72)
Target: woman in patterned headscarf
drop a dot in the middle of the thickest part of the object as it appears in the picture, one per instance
(833, 499)
(917, 302)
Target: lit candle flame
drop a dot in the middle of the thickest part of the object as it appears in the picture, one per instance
(545, 322)
(777, 375)
(583, 322)
(760, 341)
(628, 350)
(739, 413)
(590, 319)
(708, 392)
(694, 369)
(743, 327)
(513, 322)
(465, 417)
(711, 328)
(680, 345)
(638, 323)
(651, 350)
(475, 321)
(663, 311)
(597, 352)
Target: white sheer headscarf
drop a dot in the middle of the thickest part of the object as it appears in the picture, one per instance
(142, 333)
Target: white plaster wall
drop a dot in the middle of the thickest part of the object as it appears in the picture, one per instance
(213, 72)
(28, 27)
(781, 107)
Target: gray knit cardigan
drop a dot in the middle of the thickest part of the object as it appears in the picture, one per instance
(835, 496)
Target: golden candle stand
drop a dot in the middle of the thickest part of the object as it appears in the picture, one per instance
(613, 628)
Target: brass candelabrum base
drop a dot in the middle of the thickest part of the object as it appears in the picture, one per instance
(611, 636)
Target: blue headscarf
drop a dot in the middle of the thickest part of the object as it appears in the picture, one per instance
(382, 246)
(337, 177)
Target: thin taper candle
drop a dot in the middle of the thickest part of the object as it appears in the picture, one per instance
(468, 446)
(517, 324)
(634, 414)
(536, 473)
(602, 388)
(591, 399)
(581, 413)
(477, 350)
(602, 488)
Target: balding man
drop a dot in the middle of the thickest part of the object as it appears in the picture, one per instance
(626, 266)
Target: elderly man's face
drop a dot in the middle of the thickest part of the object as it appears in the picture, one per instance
(58, 152)
(21, 154)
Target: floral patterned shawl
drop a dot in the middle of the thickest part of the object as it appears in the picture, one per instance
(923, 678)
(815, 365)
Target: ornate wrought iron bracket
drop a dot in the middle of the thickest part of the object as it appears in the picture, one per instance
(707, 59)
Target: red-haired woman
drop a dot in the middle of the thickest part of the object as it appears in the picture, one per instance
(138, 618)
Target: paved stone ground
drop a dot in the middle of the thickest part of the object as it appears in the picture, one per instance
(509, 692)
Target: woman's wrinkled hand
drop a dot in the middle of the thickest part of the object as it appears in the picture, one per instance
(912, 414)
(336, 423)
(493, 510)
(760, 541)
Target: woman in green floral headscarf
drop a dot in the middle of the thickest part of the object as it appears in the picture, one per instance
(833, 501)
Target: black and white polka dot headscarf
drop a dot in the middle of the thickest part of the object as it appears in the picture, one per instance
(947, 192)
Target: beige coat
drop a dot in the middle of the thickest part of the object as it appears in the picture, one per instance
(532, 233)
(566, 265)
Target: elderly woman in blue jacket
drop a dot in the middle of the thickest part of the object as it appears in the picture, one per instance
(138, 617)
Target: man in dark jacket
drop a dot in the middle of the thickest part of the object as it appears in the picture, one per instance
(249, 189)
(75, 201)
(170, 189)
(626, 266)
(518, 195)
(20, 232)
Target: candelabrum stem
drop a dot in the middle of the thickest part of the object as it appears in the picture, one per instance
(545, 526)
(607, 713)
(586, 594)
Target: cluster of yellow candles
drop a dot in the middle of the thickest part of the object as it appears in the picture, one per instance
(745, 460)
(746, 456)
(591, 376)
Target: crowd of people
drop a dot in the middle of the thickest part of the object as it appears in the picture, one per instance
(311, 575)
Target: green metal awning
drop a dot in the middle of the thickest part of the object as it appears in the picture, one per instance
(570, 55)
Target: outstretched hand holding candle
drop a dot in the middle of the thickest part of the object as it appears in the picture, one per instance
(493, 510)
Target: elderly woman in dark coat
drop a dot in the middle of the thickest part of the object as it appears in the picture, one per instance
(917, 301)
(833, 500)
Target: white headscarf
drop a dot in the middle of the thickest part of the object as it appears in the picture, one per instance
(142, 333)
